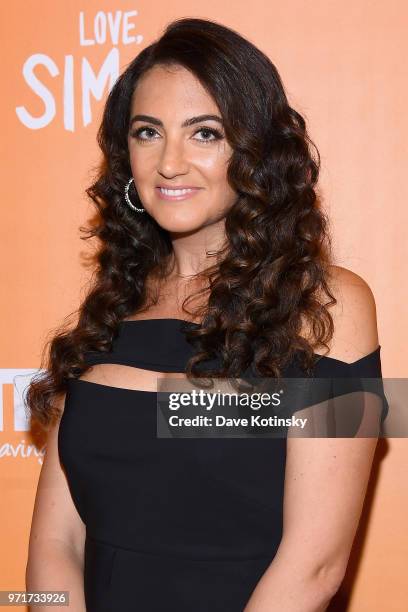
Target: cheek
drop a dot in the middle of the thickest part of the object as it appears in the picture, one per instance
(213, 162)
(141, 162)
(216, 180)
(219, 180)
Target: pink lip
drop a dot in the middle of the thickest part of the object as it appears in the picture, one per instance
(183, 196)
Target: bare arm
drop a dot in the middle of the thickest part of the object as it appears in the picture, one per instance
(56, 546)
(325, 485)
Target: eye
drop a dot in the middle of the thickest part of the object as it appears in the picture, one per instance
(207, 131)
(137, 133)
(212, 131)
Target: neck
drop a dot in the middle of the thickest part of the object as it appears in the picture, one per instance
(193, 252)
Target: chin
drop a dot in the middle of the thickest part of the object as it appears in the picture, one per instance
(178, 221)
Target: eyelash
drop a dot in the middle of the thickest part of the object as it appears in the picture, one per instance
(216, 133)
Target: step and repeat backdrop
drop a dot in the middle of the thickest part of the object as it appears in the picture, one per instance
(343, 67)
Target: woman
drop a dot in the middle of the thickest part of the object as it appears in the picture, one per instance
(126, 520)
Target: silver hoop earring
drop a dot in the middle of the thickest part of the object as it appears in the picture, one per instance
(128, 199)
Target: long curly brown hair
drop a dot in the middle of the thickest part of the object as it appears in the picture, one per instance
(273, 271)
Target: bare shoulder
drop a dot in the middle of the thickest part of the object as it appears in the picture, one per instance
(354, 316)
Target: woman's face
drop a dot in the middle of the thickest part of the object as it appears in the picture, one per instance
(167, 152)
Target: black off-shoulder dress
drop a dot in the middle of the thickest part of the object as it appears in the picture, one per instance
(182, 524)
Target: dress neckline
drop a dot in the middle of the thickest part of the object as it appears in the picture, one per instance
(176, 320)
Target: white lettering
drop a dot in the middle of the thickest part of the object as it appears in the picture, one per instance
(82, 40)
(38, 88)
(95, 84)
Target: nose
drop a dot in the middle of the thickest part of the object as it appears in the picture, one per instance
(172, 159)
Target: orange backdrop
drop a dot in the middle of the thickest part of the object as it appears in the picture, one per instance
(343, 64)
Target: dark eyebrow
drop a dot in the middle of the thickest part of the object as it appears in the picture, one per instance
(185, 123)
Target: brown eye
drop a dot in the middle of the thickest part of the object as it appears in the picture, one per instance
(216, 135)
(137, 133)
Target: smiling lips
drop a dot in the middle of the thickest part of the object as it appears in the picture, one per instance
(176, 194)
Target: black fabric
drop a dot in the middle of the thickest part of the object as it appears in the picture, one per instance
(171, 524)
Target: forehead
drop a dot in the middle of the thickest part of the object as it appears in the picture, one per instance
(172, 90)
